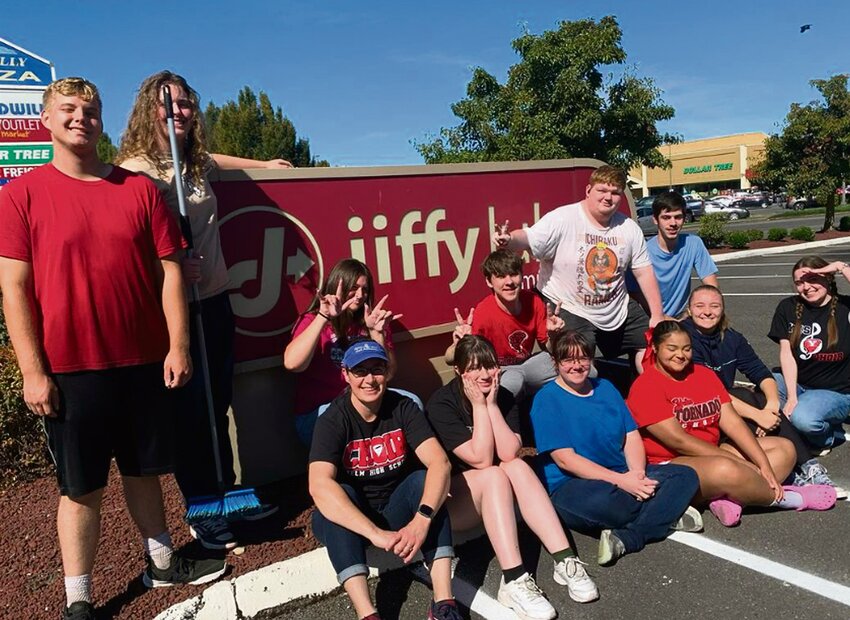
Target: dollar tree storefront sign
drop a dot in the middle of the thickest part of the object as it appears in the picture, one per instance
(707, 168)
(25, 154)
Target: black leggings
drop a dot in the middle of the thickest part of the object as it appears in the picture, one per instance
(786, 429)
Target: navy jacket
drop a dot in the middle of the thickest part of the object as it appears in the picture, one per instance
(726, 356)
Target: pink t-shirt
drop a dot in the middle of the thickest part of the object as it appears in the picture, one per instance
(322, 381)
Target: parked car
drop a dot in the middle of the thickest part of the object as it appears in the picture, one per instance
(693, 207)
(730, 211)
(645, 221)
(726, 201)
(756, 199)
(799, 203)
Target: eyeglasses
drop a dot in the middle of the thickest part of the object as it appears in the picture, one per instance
(362, 371)
(573, 361)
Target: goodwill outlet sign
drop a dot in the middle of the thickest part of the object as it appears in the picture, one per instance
(24, 141)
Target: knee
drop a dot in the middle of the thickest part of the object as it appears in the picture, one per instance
(682, 473)
(518, 471)
(495, 480)
(728, 471)
(807, 420)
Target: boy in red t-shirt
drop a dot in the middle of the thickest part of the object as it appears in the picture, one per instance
(94, 301)
(512, 320)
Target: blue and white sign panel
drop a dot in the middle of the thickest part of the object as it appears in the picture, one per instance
(20, 69)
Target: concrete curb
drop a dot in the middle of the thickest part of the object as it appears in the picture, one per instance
(306, 575)
(811, 245)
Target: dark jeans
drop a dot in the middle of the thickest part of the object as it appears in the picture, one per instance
(347, 550)
(786, 429)
(195, 467)
(595, 505)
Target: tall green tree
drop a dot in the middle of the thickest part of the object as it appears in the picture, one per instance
(557, 103)
(252, 127)
(811, 155)
(106, 151)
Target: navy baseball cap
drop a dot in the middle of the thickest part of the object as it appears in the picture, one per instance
(361, 351)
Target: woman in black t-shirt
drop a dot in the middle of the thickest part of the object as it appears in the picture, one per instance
(368, 486)
(813, 332)
(477, 421)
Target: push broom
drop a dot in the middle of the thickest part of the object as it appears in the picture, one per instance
(227, 504)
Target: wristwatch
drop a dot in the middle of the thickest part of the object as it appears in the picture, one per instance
(426, 511)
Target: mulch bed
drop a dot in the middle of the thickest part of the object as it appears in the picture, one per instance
(764, 243)
(31, 580)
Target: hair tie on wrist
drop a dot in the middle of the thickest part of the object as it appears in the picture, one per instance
(323, 315)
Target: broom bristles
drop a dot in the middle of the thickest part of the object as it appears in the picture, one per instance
(240, 503)
(201, 508)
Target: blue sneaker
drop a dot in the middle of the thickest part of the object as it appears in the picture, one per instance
(812, 472)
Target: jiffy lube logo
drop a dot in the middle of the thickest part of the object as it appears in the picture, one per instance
(275, 269)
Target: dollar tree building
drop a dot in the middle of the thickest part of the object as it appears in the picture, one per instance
(705, 166)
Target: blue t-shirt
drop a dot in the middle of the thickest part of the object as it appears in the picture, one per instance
(594, 426)
(673, 270)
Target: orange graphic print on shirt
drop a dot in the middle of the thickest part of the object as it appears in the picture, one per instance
(601, 267)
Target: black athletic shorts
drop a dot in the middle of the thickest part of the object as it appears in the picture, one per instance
(123, 413)
(627, 338)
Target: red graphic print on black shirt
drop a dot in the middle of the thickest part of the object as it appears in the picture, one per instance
(376, 455)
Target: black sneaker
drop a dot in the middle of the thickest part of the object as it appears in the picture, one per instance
(183, 571)
(81, 610)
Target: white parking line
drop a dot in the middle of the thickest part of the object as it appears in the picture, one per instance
(822, 587)
(725, 294)
(757, 265)
(761, 277)
(479, 602)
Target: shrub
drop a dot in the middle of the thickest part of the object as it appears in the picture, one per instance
(802, 233)
(711, 230)
(22, 452)
(777, 234)
(738, 239)
(844, 223)
(754, 234)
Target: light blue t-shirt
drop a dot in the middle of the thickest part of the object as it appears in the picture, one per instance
(594, 426)
(673, 270)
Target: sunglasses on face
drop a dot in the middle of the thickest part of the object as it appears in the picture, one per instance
(362, 371)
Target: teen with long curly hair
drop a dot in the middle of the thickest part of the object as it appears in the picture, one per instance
(145, 148)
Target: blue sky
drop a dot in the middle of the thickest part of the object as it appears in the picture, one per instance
(363, 79)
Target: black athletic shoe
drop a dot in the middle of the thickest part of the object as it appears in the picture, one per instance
(183, 571)
(81, 610)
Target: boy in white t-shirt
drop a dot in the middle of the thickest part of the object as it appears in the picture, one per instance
(584, 251)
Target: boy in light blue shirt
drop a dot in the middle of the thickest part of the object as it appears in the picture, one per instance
(674, 255)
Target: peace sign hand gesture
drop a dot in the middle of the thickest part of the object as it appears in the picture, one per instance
(377, 318)
(332, 305)
(463, 327)
(554, 322)
(502, 235)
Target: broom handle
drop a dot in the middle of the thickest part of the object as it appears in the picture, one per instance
(199, 319)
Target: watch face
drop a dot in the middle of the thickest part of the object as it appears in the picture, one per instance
(426, 510)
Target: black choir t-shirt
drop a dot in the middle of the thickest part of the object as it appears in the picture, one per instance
(372, 457)
(452, 421)
(817, 367)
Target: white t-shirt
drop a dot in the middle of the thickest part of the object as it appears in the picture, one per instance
(583, 266)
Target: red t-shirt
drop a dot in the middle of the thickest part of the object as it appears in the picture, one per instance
(512, 336)
(93, 247)
(322, 381)
(694, 401)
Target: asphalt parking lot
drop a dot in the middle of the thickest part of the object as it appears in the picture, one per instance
(774, 565)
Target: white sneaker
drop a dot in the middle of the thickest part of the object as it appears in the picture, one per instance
(525, 598)
(571, 573)
(213, 533)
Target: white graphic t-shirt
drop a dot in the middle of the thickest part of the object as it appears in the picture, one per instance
(583, 266)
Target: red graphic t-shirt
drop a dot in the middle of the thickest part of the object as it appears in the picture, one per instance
(513, 337)
(695, 402)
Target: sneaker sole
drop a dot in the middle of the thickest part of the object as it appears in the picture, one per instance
(213, 546)
(576, 596)
(158, 583)
(509, 603)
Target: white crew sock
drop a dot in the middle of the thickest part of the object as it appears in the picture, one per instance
(791, 501)
(160, 549)
(78, 589)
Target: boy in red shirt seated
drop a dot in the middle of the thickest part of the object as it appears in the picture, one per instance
(513, 320)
